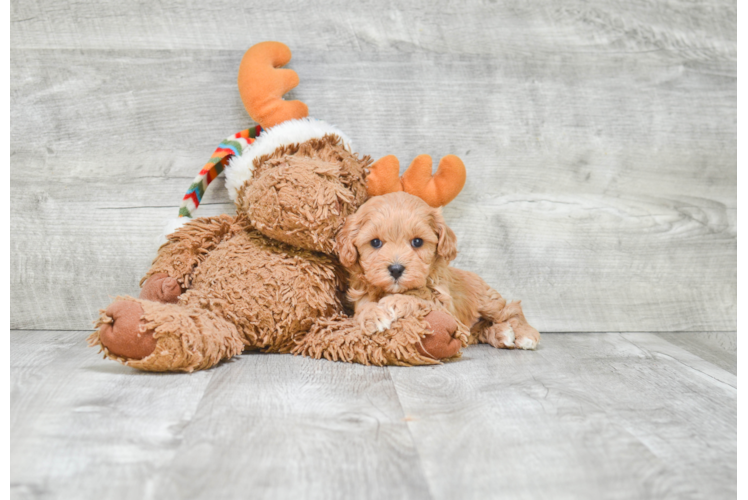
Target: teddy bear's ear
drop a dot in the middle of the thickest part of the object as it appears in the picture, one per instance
(262, 85)
(436, 190)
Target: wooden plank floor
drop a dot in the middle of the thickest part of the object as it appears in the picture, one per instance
(589, 415)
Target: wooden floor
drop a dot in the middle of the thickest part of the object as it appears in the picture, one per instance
(601, 152)
(608, 415)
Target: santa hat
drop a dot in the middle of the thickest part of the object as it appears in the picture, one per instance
(235, 157)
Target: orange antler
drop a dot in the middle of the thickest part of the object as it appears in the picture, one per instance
(436, 190)
(262, 85)
(442, 187)
(384, 176)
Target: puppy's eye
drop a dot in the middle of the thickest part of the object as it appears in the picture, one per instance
(376, 243)
(416, 242)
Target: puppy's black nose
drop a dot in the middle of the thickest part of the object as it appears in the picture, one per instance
(396, 270)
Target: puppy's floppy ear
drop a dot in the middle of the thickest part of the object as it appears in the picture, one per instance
(446, 247)
(347, 252)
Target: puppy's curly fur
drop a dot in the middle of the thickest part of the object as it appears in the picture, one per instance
(397, 249)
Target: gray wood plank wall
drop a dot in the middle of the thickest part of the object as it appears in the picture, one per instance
(599, 137)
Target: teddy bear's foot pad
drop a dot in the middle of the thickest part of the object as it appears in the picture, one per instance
(160, 287)
(440, 344)
(126, 335)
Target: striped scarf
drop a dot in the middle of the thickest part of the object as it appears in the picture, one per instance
(233, 145)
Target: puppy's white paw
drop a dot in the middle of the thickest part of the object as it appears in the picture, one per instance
(526, 343)
(399, 306)
(383, 322)
(509, 337)
(512, 334)
(375, 318)
(500, 336)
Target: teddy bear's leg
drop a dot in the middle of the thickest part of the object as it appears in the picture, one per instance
(184, 250)
(160, 337)
(424, 338)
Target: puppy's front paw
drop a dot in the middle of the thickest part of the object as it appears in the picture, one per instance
(401, 306)
(374, 318)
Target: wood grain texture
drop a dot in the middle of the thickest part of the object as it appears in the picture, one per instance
(268, 426)
(286, 427)
(718, 348)
(704, 30)
(586, 416)
(600, 141)
(85, 428)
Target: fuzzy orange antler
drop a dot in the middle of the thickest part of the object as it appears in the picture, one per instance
(262, 85)
(439, 189)
(436, 190)
(384, 176)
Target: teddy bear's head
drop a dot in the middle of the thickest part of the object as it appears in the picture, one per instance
(298, 182)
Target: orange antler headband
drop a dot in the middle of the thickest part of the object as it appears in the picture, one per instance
(436, 190)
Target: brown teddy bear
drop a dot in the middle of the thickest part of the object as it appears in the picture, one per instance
(268, 278)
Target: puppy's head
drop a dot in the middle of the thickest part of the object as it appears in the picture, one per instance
(394, 241)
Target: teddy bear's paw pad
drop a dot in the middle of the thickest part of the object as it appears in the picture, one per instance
(162, 288)
(440, 344)
(126, 335)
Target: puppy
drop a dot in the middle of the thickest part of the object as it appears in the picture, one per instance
(397, 249)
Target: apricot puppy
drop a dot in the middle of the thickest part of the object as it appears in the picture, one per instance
(397, 249)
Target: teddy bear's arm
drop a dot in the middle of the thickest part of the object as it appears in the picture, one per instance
(424, 337)
(189, 245)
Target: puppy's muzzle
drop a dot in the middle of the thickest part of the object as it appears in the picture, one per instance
(396, 270)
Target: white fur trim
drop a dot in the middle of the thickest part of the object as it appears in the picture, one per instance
(171, 226)
(240, 168)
